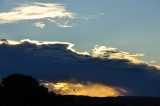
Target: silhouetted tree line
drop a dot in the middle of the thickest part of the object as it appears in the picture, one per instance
(22, 90)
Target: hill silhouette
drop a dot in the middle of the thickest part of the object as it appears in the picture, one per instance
(22, 90)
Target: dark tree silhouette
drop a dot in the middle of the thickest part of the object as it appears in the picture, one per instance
(19, 81)
(18, 88)
(0, 90)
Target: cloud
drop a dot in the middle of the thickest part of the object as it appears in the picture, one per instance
(60, 62)
(39, 24)
(61, 23)
(35, 11)
(92, 16)
(113, 53)
(152, 61)
(89, 89)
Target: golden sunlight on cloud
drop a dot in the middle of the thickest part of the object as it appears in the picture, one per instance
(113, 53)
(157, 66)
(33, 11)
(90, 89)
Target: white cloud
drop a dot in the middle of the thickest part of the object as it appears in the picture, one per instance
(152, 61)
(39, 24)
(93, 16)
(34, 11)
(113, 53)
(61, 23)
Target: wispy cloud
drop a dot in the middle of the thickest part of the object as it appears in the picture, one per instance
(93, 16)
(34, 11)
(39, 24)
(61, 23)
(152, 61)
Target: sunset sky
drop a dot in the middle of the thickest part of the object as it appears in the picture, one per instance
(129, 25)
(77, 46)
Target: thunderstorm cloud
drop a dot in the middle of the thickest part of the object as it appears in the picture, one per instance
(60, 62)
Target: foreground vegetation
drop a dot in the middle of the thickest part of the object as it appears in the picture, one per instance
(21, 90)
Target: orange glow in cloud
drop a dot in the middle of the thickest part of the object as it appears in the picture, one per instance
(93, 90)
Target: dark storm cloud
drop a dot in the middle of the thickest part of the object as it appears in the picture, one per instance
(59, 61)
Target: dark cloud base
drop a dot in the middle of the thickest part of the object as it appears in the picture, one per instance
(54, 62)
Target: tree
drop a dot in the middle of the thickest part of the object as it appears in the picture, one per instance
(19, 82)
(24, 89)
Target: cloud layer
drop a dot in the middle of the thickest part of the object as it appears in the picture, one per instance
(34, 11)
(59, 61)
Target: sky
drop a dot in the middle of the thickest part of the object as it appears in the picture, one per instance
(112, 45)
(129, 25)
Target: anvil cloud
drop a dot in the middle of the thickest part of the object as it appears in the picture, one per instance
(60, 62)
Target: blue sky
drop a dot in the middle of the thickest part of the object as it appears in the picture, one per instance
(129, 25)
